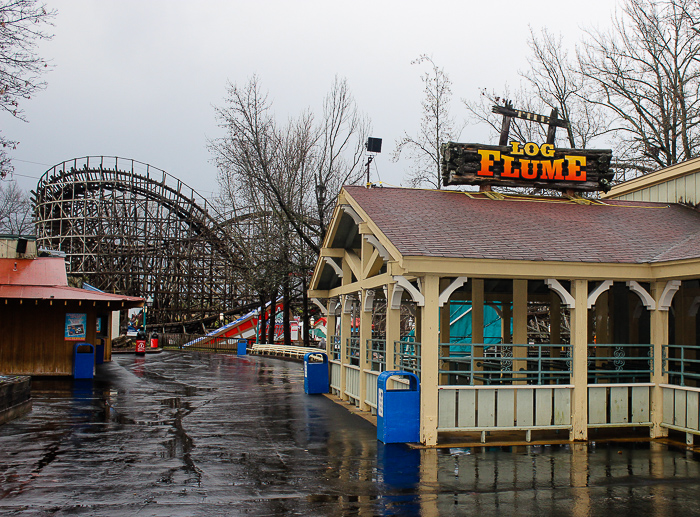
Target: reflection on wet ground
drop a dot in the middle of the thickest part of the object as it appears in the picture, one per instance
(197, 434)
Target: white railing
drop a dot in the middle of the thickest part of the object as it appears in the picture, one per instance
(504, 408)
(296, 352)
(619, 405)
(371, 385)
(336, 388)
(681, 409)
(352, 382)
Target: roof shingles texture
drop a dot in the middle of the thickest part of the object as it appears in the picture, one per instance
(451, 224)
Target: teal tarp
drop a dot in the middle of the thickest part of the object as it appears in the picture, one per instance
(461, 325)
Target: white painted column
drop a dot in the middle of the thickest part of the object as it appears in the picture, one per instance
(430, 331)
(659, 338)
(365, 335)
(579, 344)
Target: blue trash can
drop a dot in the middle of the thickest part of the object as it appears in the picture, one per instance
(100, 351)
(316, 378)
(398, 411)
(83, 361)
(242, 347)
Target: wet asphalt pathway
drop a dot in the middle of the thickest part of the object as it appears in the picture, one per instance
(212, 434)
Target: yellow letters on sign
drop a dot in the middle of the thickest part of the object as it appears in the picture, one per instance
(487, 160)
(544, 169)
(575, 171)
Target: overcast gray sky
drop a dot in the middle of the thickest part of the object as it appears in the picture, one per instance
(139, 78)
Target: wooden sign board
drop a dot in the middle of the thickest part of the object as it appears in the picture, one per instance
(527, 165)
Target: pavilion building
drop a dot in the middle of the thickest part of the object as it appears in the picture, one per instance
(597, 302)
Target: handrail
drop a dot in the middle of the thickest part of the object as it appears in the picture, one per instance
(297, 352)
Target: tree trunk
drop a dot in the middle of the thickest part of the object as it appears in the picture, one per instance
(285, 314)
(305, 310)
(262, 330)
(271, 327)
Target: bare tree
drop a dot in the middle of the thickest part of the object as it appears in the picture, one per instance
(289, 174)
(22, 24)
(646, 72)
(343, 133)
(552, 82)
(16, 216)
(558, 84)
(437, 127)
(480, 112)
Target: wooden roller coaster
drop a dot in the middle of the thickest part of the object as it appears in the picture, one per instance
(127, 227)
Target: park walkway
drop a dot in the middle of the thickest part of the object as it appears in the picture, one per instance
(213, 434)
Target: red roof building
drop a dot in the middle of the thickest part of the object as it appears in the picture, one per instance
(42, 318)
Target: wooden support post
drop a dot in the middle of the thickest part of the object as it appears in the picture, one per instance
(365, 332)
(659, 338)
(579, 345)
(330, 326)
(430, 330)
(345, 332)
(552, 128)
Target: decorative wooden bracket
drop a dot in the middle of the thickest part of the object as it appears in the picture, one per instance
(323, 308)
(347, 303)
(416, 295)
(646, 298)
(456, 284)
(396, 295)
(566, 298)
(381, 249)
(667, 295)
(604, 286)
(369, 300)
(351, 212)
(336, 267)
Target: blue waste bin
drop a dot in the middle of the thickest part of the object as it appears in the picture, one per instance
(100, 351)
(398, 411)
(316, 378)
(83, 361)
(242, 348)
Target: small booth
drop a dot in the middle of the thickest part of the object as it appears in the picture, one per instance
(43, 318)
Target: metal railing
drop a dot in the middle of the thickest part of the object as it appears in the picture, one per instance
(534, 364)
(198, 342)
(620, 363)
(334, 342)
(376, 354)
(352, 351)
(681, 363)
(407, 356)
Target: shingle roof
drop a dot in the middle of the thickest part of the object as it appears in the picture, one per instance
(453, 224)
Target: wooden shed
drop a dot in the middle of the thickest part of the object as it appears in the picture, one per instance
(42, 318)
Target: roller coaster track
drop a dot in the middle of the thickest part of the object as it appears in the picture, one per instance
(131, 228)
